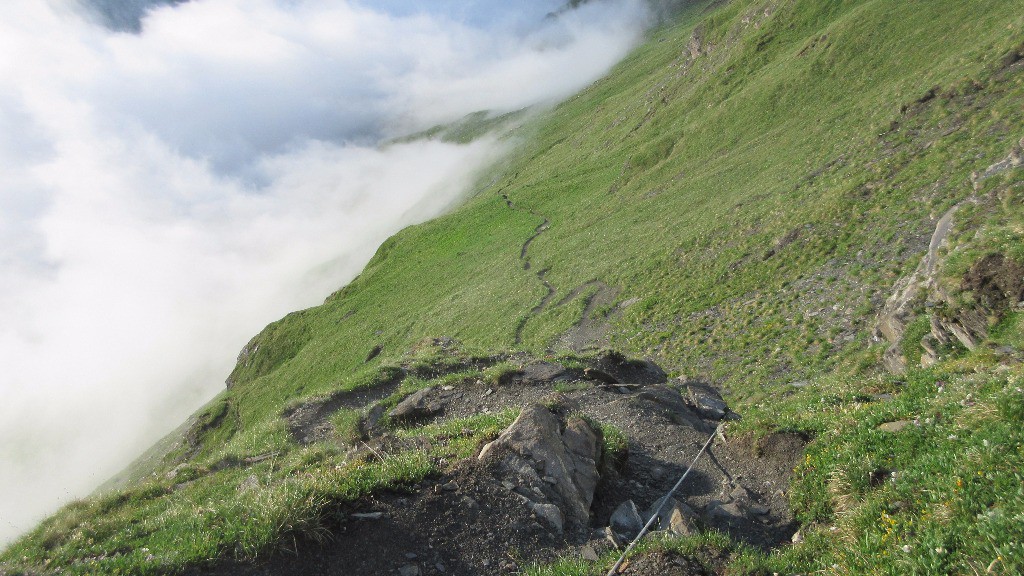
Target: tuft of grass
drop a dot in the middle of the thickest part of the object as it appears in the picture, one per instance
(709, 548)
(911, 344)
(461, 438)
(243, 512)
(562, 567)
(346, 424)
(614, 447)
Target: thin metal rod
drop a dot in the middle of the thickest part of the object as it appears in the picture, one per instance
(664, 501)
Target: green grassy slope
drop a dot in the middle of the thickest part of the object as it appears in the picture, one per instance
(749, 185)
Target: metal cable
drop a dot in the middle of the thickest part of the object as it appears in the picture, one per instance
(664, 501)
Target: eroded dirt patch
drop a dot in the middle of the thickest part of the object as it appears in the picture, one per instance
(309, 423)
(997, 282)
(592, 328)
(664, 564)
(464, 522)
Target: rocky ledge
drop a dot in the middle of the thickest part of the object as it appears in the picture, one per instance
(551, 484)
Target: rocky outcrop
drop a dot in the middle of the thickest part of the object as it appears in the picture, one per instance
(1015, 159)
(995, 285)
(670, 516)
(736, 503)
(992, 286)
(696, 46)
(554, 465)
(967, 325)
(908, 295)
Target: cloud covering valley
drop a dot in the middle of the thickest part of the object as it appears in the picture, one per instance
(177, 175)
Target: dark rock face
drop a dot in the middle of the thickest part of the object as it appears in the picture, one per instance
(633, 371)
(599, 376)
(996, 281)
(671, 404)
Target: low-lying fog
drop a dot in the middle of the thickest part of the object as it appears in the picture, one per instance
(176, 175)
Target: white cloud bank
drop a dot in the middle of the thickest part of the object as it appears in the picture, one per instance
(166, 194)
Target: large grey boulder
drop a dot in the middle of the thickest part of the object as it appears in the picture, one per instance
(417, 406)
(674, 517)
(707, 400)
(626, 521)
(537, 451)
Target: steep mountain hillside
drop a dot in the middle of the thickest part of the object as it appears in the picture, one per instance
(814, 207)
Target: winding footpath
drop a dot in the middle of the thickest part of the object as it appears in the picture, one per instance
(524, 257)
